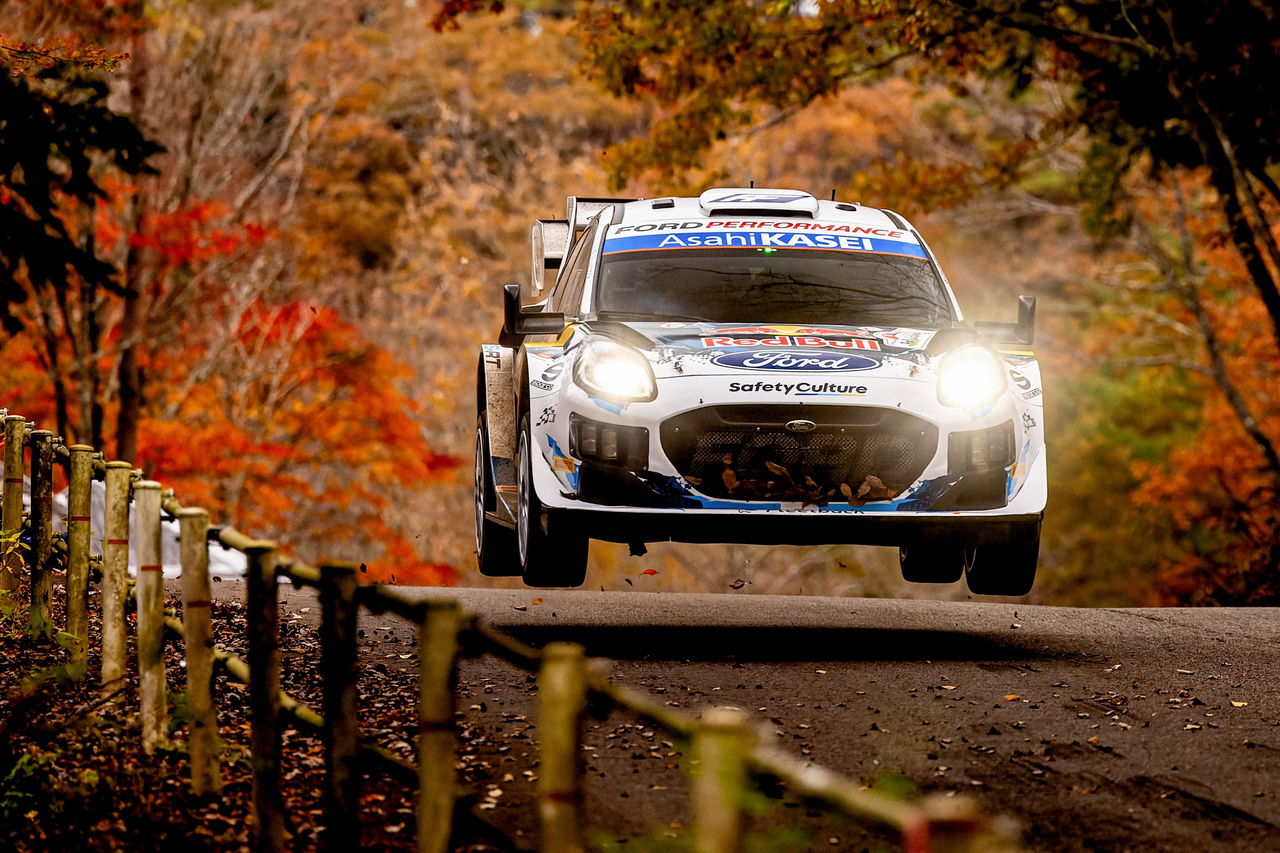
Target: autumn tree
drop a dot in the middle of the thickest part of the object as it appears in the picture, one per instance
(55, 130)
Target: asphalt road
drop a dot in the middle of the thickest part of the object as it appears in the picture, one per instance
(1096, 729)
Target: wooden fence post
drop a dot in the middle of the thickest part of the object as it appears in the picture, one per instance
(78, 503)
(115, 576)
(562, 698)
(41, 527)
(437, 740)
(338, 668)
(264, 697)
(720, 745)
(197, 629)
(15, 438)
(153, 698)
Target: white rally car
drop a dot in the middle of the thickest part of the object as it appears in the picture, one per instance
(755, 366)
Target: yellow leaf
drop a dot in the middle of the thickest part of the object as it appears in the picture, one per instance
(1238, 704)
(1010, 697)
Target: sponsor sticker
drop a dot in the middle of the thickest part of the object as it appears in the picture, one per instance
(748, 225)
(799, 389)
(792, 341)
(778, 360)
(761, 240)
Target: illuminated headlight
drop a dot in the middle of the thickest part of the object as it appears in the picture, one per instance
(611, 371)
(970, 377)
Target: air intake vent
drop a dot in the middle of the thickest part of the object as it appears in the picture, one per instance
(752, 201)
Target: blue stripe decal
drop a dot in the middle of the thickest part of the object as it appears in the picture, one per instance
(762, 240)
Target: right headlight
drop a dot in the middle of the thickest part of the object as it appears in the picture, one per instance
(611, 371)
(971, 377)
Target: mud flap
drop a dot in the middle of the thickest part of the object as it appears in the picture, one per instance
(500, 417)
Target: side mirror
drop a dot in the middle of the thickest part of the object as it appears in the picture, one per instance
(1022, 332)
(517, 322)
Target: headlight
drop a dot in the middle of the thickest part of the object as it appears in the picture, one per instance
(611, 371)
(970, 377)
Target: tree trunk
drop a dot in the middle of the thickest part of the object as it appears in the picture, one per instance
(128, 371)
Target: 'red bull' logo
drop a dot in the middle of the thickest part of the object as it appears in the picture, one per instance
(793, 341)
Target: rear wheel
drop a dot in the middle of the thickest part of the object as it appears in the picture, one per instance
(553, 551)
(495, 544)
(1004, 569)
(933, 562)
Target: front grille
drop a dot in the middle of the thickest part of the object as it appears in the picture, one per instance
(854, 454)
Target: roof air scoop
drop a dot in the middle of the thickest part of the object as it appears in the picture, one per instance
(749, 201)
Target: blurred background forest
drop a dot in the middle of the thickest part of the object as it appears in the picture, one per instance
(252, 246)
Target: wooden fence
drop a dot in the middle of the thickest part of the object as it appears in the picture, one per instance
(725, 745)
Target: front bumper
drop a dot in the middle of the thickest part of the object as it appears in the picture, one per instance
(801, 528)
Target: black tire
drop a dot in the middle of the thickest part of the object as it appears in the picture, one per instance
(552, 552)
(1004, 569)
(933, 562)
(496, 551)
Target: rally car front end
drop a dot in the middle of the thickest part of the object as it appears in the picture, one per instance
(735, 442)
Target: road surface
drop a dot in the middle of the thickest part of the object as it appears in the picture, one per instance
(1097, 729)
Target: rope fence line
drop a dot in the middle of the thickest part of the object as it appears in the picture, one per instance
(725, 744)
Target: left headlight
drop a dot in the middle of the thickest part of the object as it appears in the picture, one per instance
(611, 371)
(971, 377)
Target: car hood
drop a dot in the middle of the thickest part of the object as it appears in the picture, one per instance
(700, 348)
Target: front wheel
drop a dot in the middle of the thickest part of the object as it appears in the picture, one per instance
(553, 552)
(1004, 569)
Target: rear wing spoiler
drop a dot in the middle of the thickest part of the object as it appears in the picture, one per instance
(551, 239)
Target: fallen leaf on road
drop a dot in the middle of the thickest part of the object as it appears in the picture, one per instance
(1186, 672)
(1191, 727)
(519, 607)
(1010, 697)
(1112, 668)
(820, 671)
(649, 572)
(537, 601)
(948, 687)
(1239, 704)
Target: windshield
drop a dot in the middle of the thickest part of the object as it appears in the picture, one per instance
(780, 285)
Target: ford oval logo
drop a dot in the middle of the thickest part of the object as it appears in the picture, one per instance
(800, 425)
(793, 360)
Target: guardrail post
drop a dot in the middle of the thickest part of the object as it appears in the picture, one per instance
(15, 439)
(153, 698)
(338, 668)
(562, 698)
(720, 745)
(78, 502)
(264, 697)
(115, 576)
(954, 825)
(197, 629)
(437, 740)
(41, 527)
